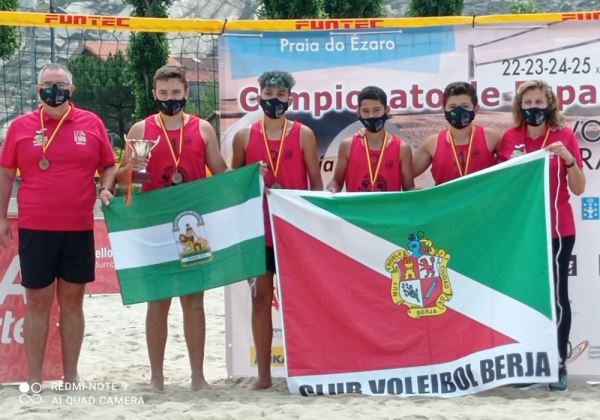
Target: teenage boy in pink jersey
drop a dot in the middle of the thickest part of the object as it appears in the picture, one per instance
(375, 160)
(186, 147)
(289, 149)
(463, 147)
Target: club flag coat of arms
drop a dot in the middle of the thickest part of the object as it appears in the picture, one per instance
(188, 238)
(444, 291)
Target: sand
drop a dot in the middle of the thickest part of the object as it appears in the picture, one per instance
(114, 358)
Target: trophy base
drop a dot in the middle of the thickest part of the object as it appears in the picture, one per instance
(140, 178)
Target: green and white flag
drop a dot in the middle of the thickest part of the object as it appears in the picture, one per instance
(188, 238)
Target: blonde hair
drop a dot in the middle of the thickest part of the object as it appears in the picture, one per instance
(555, 119)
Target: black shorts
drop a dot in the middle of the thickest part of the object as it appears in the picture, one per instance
(46, 255)
(270, 259)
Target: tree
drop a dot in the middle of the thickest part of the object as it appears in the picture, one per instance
(289, 9)
(9, 35)
(209, 99)
(146, 53)
(353, 9)
(523, 6)
(435, 7)
(102, 86)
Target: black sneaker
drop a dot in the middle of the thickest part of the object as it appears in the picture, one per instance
(563, 382)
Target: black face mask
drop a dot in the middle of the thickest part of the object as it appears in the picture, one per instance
(459, 117)
(374, 124)
(535, 116)
(273, 108)
(54, 96)
(170, 106)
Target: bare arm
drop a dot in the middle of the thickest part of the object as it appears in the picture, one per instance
(311, 158)
(339, 174)
(240, 141)
(408, 181)
(422, 157)
(107, 183)
(214, 160)
(7, 177)
(575, 175)
(492, 138)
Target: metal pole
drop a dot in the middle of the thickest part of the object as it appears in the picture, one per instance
(52, 34)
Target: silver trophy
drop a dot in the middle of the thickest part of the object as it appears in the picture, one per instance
(142, 149)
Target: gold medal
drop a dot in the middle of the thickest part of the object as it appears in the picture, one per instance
(44, 164)
(276, 186)
(177, 178)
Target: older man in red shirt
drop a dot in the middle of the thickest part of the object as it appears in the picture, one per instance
(57, 148)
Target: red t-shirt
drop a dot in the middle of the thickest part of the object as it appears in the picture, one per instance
(443, 163)
(161, 165)
(291, 173)
(63, 196)
(389, 178)
(517, 139)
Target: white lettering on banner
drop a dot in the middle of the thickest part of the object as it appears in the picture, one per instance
(8, 335)
(356, 44)
(104, 252)
(506, 366)
(285, 45)
(8, 285)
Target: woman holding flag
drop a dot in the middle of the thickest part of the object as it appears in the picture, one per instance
(538, 124)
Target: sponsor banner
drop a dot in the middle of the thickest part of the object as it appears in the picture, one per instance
(217, 26)
(13, 359)
(241, 353)
(413, 64)
(121, 23)
(106, 276)
(371, 289)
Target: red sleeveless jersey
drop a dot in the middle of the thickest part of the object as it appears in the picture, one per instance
(389, 178)
(443, 163)
(161, 165)
(291, 173)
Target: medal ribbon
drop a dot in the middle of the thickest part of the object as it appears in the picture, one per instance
(46, 143)
(458, 165)
(373, 176)
(177, 159)
(274, 168)
(545, 137)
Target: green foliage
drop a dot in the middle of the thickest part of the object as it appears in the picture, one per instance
(149, 8)
(146, 53)
(9, 35)
(353, 8)
(209, 99)
(101, 86)
(289, 9)
(312, 9)
(435, 8)
(523, 6)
